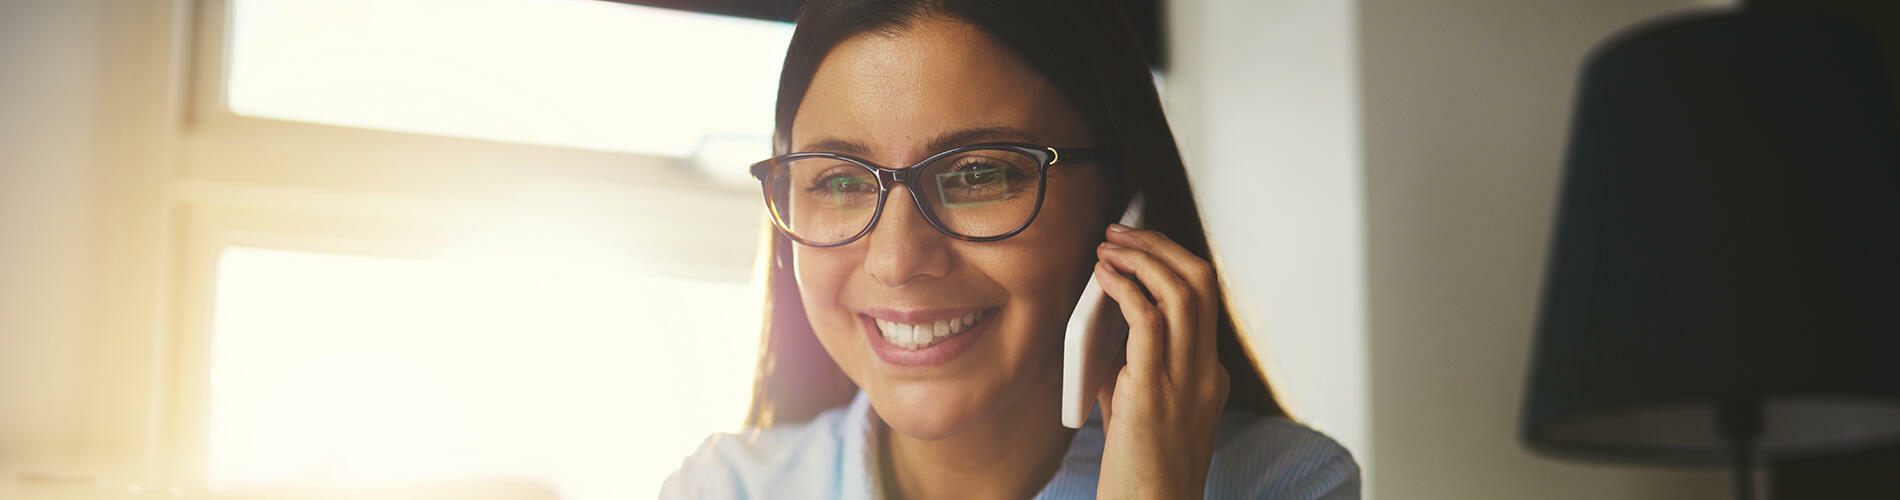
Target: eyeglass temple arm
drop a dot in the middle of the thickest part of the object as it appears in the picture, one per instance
(759, 169)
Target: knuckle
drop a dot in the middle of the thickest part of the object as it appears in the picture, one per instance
(1222, 383)
(1153, 240)
(1178, 287)
(1182, 306)
(1203, 272)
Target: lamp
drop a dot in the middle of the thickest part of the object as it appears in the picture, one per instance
(1724, 277)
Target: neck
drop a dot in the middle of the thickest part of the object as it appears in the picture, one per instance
(1012, 453)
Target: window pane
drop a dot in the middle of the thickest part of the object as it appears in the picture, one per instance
(348, 370)
(577, 73)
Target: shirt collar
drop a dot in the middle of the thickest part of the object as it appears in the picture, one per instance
(859, 467)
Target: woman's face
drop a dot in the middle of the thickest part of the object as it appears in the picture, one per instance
(892, 96)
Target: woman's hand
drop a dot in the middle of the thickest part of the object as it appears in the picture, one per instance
(1162, 412)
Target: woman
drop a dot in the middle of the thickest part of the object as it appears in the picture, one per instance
(946, 175)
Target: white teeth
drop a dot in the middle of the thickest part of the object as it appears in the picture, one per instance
(919, 335)
(910, 336)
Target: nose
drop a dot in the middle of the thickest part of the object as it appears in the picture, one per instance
(904, 247)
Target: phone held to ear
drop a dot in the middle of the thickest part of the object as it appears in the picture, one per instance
(1089, 352)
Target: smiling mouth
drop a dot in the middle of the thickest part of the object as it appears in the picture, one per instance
(919, 336)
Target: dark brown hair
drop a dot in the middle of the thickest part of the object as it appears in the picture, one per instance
(1086, 49)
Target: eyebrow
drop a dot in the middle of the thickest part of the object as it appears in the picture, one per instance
(941, 142)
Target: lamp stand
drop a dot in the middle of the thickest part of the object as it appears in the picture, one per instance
(1740, 421)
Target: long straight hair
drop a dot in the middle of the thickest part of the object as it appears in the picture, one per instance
(1087, 50)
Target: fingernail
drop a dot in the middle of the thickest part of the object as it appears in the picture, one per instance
(1119, 228)
(1110, 245)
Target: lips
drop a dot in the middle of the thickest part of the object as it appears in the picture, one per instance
(924, 338)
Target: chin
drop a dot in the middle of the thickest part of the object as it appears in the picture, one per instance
(928, 410)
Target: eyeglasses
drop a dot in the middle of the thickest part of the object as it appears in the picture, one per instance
(981, 192)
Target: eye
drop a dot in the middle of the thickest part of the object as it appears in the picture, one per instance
(977, 181)
(842, 180)
(979, 173)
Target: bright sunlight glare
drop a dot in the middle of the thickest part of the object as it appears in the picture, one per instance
(588, 377)
(576, 73)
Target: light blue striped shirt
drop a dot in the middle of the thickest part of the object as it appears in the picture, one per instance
(832, 456)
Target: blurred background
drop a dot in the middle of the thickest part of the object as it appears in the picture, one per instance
(505, 248)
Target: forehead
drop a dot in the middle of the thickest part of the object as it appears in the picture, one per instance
(895, 97)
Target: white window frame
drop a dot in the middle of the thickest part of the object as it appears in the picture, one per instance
(264, 183)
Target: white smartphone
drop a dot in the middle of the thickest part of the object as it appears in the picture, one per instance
(1088, 352)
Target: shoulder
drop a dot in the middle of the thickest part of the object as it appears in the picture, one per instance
(1274, 457)
(770, 463)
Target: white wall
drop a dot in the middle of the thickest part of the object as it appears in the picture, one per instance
(88, 99)
(1380, 176)
(46, 155)
(1262, 96)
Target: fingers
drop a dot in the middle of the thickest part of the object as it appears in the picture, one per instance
(1197, 272)
(1176, 299)
(1146, 327)
(1105, 398)
(1192, 268)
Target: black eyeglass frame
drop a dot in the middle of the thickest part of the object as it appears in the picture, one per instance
(1046, 156)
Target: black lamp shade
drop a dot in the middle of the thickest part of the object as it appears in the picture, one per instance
(1726, 235)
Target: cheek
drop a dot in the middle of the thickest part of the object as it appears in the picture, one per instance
(1036, 275)
(1040, 293)
(1063, 242)
(819, 278)
(1044, 273)
(821, 275)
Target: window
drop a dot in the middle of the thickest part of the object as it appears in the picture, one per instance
(584, 376)
(576, 73)
(448, 240)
